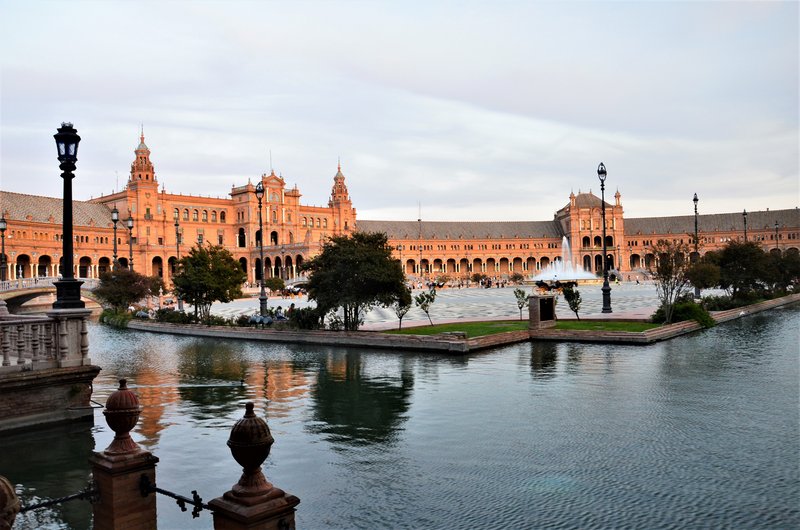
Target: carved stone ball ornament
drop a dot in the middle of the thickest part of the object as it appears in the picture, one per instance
(250, 442)
(9, 503)
(122, 412)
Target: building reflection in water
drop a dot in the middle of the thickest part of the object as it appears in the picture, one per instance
(60, 470)
(543, 359)
(356, 404)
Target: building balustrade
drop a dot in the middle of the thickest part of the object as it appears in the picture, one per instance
(42, 342)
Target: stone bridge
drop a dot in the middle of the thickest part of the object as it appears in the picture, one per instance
(17, 292)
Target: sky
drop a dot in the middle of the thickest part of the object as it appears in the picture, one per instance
(455, 111)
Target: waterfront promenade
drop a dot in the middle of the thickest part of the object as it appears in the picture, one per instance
(629, 301)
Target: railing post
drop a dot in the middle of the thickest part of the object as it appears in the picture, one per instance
(253, 503)
(118, 469)
(20, 343)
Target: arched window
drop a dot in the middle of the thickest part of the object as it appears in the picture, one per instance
(274, 216)
(222, 217)
(205, 216)
(305, 221)
(213, 216)
(186, 214)
(325, 223)
(319, 223)
(176, 214)
(195, 215)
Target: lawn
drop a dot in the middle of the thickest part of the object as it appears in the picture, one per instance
(472, 329)
(479, 329)
(611, 325)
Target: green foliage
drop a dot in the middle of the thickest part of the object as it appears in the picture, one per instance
(306, 318)
(685, 309)
(354, 273)
(472, 329)
(573, 298)
(744, 268)
(669, 274)
(402, 306)
(516, 277)
(115, 319)
(703, 274)
(424, 301)
(442, 279)
(478, 276)
(123, 287)
(275, 284)
(173, 317)
(522, 300)
(206, 275)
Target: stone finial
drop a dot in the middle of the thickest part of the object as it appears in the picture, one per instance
(250, 442)
(122, 412)
(9, 504)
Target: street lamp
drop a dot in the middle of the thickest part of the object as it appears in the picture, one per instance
(744, 216)
(129, 223)
(262, 297)
(606, 289)
(177, 258)
(696, 254)
(4, 225)
(776, 235)
(68, 289)
(115, 219)
(283, 262)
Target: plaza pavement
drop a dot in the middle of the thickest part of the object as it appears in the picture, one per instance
(628, 301)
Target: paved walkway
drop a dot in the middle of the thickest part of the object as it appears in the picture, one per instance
(628, 301)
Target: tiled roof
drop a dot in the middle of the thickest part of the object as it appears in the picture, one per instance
(467, 230)
(23, 207)
(719, 222)
(585, 200)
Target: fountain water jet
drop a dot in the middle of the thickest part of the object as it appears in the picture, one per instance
(564, 269)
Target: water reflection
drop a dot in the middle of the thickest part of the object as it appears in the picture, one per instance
(355, 408)
(56, 465)
(543, 360)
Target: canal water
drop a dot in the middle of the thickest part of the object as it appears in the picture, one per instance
(697, 432)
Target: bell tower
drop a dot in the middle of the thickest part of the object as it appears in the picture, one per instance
(142, 172)
(344, 215)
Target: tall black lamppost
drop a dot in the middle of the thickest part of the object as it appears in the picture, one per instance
(262, 298)
(129, 223)
(283, 262)
(744, 216)
(178, 257)
(115, 220)
(696, 254)
(4, 225)
(68, 289)
(601, 174)
(776, 236)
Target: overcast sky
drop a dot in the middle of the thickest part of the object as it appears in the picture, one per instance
(475, 110)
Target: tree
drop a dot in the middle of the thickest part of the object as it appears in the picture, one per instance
(522, 300)
(478, 276)
(402, 306)
(744, 267)
(424, 301)
(354, 273)
(206, 275)
(573, 298)
(703, 274)
(274, 284)
(517, 277)
(123, 287)
(669, 274)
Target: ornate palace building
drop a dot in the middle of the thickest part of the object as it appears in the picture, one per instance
(165, 225)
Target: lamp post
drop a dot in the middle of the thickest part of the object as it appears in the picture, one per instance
(744, 216)
(68, 289)
(776, 236)
(262, 297)
(178, 257)
(4, 225)
(283, 262)
(115, 219)
(606, 289)
(696, 255)
(129, 223)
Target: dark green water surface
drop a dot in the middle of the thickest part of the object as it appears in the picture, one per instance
(697, 432)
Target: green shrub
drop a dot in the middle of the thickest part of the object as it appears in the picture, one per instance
(242, 321)
(173, 317)
(306, 318)
(686, 310)
(216, 320)
(718, 303)
(116, 319)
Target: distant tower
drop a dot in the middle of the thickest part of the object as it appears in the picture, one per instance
(344, 215)
(142, 172)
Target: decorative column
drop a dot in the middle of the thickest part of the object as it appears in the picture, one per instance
(253, 503)
(118, 469)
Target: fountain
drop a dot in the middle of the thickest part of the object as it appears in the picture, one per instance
(564, 269)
